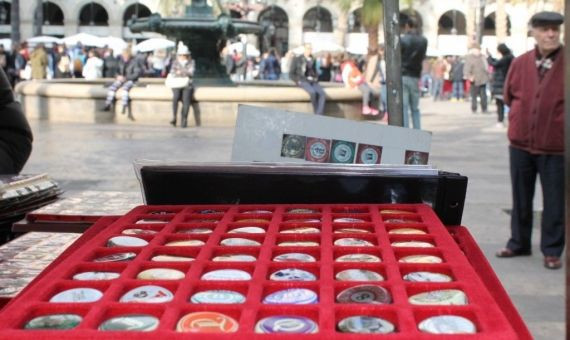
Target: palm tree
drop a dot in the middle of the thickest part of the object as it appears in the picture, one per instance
(372, 15)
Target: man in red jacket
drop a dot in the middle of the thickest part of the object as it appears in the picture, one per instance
(534, 90)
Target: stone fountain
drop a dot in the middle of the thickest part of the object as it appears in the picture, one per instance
(203, 33)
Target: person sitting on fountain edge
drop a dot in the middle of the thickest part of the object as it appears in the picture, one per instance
(303, 72)
(129, 72)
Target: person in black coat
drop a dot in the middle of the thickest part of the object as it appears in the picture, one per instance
(500, 70)
(15, 133)
(304, 73)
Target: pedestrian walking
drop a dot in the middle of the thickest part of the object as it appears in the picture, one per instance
(457, 82)
(304, 73)
(180, 81)
(500, 69)
(534, 90)
(414, 47)
(476, 72)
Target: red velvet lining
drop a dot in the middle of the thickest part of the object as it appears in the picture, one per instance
(489, 307)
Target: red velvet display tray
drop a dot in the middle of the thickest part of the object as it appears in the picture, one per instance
(484, 310)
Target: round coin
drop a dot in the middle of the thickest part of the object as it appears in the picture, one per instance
(421, 259)
(348, 220)
(365, 324)
(351, 231)
(400, 220)
(195, 231)
(96, 276)
(414, 244)
(135, 231)
(148, 294)
(407, 231)
(352, 242)
(299, 244)
(358, 258)
(207, 322)
(77, 295)
(218, 296)
(239, 242)
(366, 294)
(302, 211)
(427, 277)
(358, 275)
(160, 274)
(294, 257)
(394, 211)
(126, 241)
(135, 322)
(304, 220)
(185, 243)
(297, 296)
(150, 221)
(286, 324)
(209, 211)
(171, 258)
(247, 230)
(227, 275)
(439, 297)
(447, 324)
(234, 258)
(118, 257)
(253, 220)
(301, 230)
(54, 321)
(292, 274)
(257, 211)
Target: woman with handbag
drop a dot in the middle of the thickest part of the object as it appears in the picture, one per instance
(179, 79)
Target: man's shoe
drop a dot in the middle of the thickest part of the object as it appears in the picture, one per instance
(107, 107)
(552, 262)
(374, 112)
(173, 122)
(506, 252)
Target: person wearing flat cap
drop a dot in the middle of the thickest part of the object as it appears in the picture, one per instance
(534, 90)
(179, 79)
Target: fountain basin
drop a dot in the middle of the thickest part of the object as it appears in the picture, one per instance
(76, 100)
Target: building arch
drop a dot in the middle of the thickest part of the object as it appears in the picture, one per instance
(135, 10)
(52, 14)
(276, 23)
(5, 13)
(317, 19)
(452, 22)
(490, 27)
(91, 13)
(355, 24)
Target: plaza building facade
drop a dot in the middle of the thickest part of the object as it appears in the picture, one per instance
(449, 25)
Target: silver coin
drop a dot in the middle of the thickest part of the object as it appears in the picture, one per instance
(301, 230)
(358, 275)
(366, 294)
(218, 296)
(247, 230)
(171, 258)
(302, 211)
(366, 325)
(148, 294)
(427, 277)
(140, 323)
(447, 324)
(351, 231)
(77, 295)
(352, 242)
(348, 220)
(227, 275)
(135, 231)
(358, 258)
(195, 231)
(54, 321)
(292, 274)
(294, 257)
(442, 297)
(414, 244)
(299, 244)
(118, 257)
(257, 211)
(234, 258)
(185, 243)
(421, 259)
(126, 241)
(239, 242)
(160, 274)
(297, 296)
(96, 276)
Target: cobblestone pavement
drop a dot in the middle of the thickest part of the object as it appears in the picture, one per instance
(99, 157)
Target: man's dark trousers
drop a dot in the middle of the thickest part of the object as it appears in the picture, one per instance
(524, 168)
(317, 95)
(478, 91)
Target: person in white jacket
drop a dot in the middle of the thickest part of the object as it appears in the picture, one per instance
(93, 68)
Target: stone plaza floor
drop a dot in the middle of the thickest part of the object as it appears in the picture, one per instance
(99, 157)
